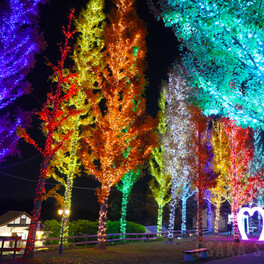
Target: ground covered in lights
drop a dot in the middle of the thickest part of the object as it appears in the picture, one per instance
(152, 252)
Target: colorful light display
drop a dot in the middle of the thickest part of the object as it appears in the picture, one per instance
(221, 192)
(176, 139)
(119, 129)
(161, 180)
(203, 176)
(125, 186)
(225, 41)
(87, 51)
(18, 48)
(52, 118)
(243, 185)
(241, 224)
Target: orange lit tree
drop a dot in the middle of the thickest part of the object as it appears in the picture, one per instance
(201, 168)
(122, 138)
(52, 118)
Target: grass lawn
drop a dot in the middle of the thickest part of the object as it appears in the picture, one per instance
(152, 252)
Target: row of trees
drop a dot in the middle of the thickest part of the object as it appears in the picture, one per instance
(96, 114)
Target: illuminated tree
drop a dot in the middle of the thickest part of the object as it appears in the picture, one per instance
(19, 43)
(203, 176)
(176, 140)
(125, 186)
(122, 138)
(88, 52)
(161, 179)
(225, 41)
(221, 192)
(243, 185)
(52, 117)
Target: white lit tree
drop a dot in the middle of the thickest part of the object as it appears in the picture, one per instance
(176, 140)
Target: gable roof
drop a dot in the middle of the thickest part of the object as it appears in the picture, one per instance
(10, 216)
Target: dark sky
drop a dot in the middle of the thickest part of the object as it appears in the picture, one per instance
(20, 173)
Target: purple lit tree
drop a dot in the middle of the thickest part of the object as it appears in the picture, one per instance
(19, 43)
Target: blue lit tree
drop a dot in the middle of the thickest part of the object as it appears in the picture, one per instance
(225, 40)
(19, 43)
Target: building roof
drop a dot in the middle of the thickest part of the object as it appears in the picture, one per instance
(10, 216)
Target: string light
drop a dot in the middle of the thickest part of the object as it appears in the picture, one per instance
(122, 138)
(52, 119)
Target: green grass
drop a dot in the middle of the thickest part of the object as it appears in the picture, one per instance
(152, 252)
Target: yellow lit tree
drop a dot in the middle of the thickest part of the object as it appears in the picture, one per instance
(221, 192)
(122, 138)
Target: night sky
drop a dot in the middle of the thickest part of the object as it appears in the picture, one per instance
(20, 173)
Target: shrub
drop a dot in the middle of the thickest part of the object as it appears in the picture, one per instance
(51, 229)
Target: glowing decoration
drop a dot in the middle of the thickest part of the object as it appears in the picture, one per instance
(175, 141)
(161, 180)
(65, 163)
(243, 185)
(209, 210)
(20, 42)
(52, 118)
(122, 138)
(227, 32)
(201, 165)
(185, 194)
(221, 192)
(241, 225)
(125, 186)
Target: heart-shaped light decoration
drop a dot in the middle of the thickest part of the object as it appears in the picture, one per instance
(240, 221)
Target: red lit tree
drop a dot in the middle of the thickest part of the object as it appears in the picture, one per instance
(243, 185)
(52, 118)
(122, 138)
(201, 168)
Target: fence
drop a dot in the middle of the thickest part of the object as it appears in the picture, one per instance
(40, 243)
(115, 238)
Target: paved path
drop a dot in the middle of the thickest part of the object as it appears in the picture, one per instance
(252, 258)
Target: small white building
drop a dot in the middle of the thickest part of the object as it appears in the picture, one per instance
(15, 223)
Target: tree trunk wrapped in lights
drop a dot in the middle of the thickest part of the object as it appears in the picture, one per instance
(185, 194)
(176, 138)
(209, 210)
(122, 138)
(201, 165)
(87, 52)
(53, 118)
(125, 186)
(20, 42)
(161, 180)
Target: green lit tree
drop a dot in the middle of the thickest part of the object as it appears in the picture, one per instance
(125, 186)
(161, 181)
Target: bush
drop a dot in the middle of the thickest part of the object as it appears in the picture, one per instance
(51, 229)
(82, 227)
(113, 227)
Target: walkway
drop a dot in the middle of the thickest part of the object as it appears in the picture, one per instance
(252, 258)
